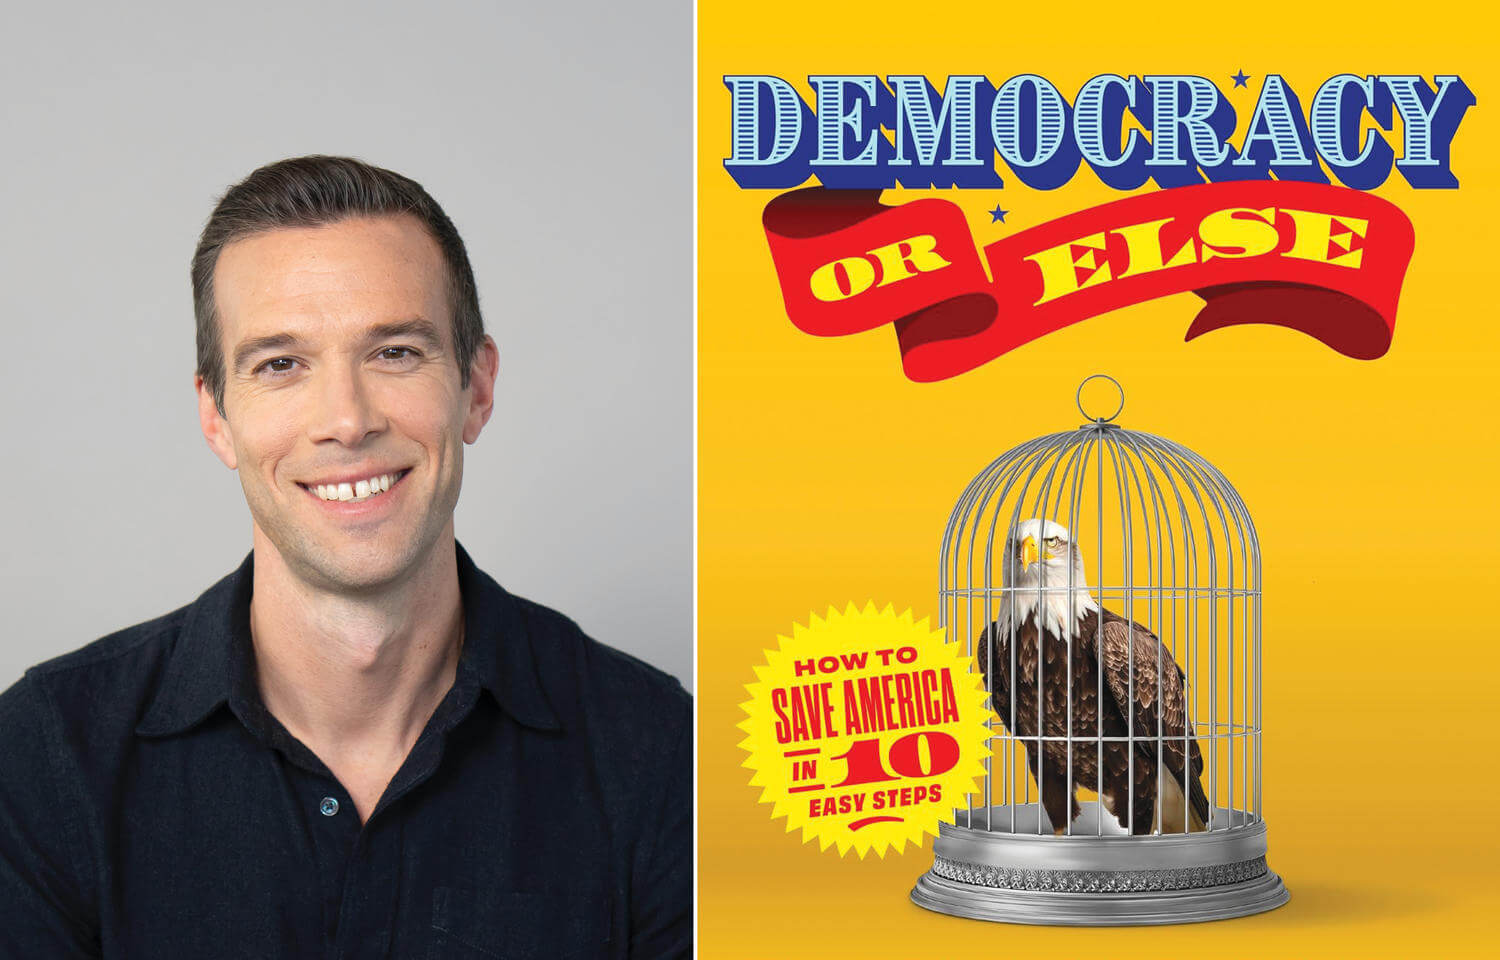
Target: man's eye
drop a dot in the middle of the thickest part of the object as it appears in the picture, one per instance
(275, 366)
(397, 353)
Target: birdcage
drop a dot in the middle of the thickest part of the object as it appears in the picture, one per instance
(1107, 584)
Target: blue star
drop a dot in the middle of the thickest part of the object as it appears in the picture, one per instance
(997, 215)
(1239, 79)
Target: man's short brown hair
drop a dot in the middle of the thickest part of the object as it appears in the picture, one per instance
(312, 191)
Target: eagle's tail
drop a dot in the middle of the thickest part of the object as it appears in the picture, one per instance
(1174, 814)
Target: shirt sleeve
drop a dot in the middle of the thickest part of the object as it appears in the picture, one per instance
(662, 885)
(41, 857)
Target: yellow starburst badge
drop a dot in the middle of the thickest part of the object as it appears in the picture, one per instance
(865, 729)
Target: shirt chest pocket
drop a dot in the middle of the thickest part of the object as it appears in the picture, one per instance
(517, 926)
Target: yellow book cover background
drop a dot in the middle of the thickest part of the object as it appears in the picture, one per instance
(825, 477)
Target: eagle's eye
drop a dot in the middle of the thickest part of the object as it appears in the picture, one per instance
(1054, 541)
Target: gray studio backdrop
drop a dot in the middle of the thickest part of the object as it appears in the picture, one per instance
(557, 137)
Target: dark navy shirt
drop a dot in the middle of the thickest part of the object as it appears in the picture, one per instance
(150, 805)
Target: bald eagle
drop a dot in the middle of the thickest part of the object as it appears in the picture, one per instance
(1038, 555)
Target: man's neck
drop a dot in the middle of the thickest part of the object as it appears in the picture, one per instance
(356, 678)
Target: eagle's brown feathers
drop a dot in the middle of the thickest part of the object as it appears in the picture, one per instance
(1155, 701)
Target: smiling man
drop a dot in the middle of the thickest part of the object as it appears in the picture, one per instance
(357, 744)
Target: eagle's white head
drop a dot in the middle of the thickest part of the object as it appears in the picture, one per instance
(1040, 560)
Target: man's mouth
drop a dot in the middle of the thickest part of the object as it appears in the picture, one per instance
(356, 491)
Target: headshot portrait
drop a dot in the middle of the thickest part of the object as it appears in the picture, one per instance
(350, 567)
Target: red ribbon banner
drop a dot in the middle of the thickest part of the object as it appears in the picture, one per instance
(1322, 259)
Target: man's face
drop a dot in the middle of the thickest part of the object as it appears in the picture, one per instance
(340, 369)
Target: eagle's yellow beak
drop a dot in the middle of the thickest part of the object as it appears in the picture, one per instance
(1029, 553)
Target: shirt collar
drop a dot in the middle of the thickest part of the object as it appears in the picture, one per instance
(213, 661)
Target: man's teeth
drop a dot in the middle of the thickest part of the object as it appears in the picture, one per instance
(360, 490)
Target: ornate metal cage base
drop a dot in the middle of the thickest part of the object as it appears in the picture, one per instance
(1086, 880)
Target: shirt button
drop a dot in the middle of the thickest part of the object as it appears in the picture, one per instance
(328, 807)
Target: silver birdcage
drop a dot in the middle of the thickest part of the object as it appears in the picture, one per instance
(1128, 563)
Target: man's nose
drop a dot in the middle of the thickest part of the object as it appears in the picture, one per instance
(344, 408)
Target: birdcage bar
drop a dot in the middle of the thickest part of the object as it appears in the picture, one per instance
(1166, 463)
(1183, 539)
(1050, 461)
(1077, 465)
(1034, 453)
(1127, 578)
(1203, 474)
(1189, 652)
(1213, 631)
(1074, 454)
(1073, 511)
(1004, 469)
(1073, 459)
(1216, 629)
(1251, 546)
(1193, 660)
(1154, 615)
(1231, 638)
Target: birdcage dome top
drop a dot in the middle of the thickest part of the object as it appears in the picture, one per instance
(1157, 487)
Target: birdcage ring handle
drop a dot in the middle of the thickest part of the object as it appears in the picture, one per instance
(1078, 397)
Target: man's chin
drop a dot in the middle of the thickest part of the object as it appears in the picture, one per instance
(349, 562)
(356, 571)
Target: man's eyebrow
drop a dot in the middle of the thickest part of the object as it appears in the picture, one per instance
(417, 327)
(247, 349)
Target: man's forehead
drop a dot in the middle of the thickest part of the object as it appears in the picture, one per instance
(318, 272)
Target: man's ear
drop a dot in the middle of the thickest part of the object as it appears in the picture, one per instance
(215, 428)
(482, 373)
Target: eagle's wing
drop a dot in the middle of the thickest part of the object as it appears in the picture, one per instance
(998, 679)
(1119, 638)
